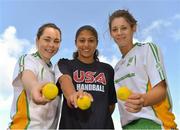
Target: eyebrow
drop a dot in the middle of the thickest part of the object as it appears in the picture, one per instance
(51, 37)
(47, 37)
(88, 37)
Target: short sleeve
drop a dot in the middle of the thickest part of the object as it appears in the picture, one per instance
(154, 64)
(57, 72)
(62, 67)
(25, 62)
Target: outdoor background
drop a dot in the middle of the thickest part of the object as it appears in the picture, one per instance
(158, 21)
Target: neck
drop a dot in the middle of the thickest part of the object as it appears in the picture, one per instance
(43, 58)
(125, 49)
(86, 60)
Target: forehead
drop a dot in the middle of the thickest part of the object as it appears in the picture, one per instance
(119, 21)
(86, 33)
(50, 32)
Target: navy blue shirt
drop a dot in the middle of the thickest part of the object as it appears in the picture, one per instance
(98, 79)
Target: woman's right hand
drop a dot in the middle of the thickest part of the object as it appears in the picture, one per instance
(37, 96)
(33, 86)
(72, 99)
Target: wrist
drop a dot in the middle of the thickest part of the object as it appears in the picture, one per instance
(145, 104)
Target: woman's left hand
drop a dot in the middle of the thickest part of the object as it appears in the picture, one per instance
(134, 103)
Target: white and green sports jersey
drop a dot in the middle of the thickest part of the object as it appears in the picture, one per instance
(140, 70)
(25, 114)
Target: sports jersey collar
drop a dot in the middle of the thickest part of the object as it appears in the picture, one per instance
(90, 64)
(134, 45)
(48, 64)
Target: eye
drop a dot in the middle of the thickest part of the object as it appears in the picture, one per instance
(47, 40)
(91, 40)
(123, 28)
(114, 29)
(81, 40)
(56, 41)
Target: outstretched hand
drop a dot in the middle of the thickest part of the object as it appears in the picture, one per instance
(37, 96)
(72, 99)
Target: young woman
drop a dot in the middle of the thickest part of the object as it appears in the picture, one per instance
(95, 78)
(31, 72)
(141, 70)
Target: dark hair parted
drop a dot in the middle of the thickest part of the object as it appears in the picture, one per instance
(94, 33)
(47, 25)
(122, 13)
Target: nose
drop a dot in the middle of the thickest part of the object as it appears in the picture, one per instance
(86, 43)
(119, 31)
(52, 44)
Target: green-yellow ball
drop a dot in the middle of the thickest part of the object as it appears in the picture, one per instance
(50, 91)
(84, 103)
(123, 93)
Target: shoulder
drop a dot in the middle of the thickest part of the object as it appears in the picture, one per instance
(63, 61)
(105, 65)
(148, 45)
(26, 58)
(153, 48)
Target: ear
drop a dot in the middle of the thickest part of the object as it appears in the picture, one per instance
(134, 28)
(110, 32)
(37, 43)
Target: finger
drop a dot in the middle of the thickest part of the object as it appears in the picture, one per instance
(134, 101)
(69, 104)
(132, 110)
(134, 96)
(74, 99)
(80, 90)
(91, 97)
(133, 106)
(70, 101)
(75, 102)
(40, 101)
(43, 99)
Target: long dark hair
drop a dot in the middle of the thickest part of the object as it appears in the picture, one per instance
(95, 34)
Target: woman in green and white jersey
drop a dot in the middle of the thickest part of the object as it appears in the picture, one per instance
(29, 109)
(141, 69)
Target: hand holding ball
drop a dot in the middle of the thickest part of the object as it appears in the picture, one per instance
(84, 103)
(123, 93)
(50, 91)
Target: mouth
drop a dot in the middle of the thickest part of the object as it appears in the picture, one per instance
(86, 50)
(121, 38)
(50, 51)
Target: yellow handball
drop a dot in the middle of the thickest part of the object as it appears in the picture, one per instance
(84, 102)
(50, 91)
(123, 93)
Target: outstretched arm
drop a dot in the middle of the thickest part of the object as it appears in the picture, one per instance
(31, 83)
(69, 91)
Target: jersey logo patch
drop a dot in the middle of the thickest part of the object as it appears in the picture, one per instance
(89, 77)
(132, 60)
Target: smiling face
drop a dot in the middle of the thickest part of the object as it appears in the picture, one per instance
(48, 43)
(122, 31)
(86, 44)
